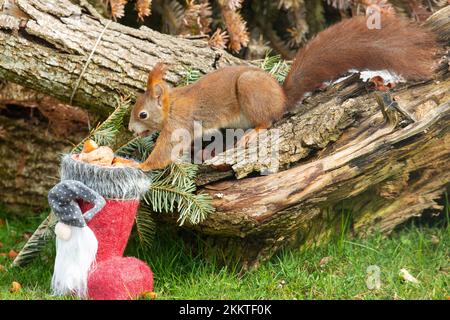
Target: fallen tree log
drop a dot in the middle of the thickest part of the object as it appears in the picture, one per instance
(49, 46)
(378, 172)
(34, 130)
(348, 160)
(342, 151)
(45, 48)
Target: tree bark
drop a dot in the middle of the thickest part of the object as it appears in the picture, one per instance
(348, 162)
(346, 158)
(34, 130)
(44, 45)
(377, 175)
(48, 50)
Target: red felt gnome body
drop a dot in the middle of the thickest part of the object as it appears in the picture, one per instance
(112, 276)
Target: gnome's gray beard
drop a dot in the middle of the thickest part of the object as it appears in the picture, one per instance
(110, 182)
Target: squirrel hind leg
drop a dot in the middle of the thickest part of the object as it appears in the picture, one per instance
(262, 100)
(250, 136)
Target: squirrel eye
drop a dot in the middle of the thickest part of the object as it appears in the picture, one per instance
(143, 115)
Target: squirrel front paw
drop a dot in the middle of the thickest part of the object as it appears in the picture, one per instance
(145, 167)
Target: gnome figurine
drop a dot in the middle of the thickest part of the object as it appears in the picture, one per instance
(96, 203)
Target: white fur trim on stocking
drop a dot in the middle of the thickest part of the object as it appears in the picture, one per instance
(109, 182)
(74, 259)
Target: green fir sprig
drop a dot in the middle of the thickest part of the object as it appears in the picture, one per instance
(276, 66)
(173, 189)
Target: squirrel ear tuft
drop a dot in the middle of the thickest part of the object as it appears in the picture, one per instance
(155, 77)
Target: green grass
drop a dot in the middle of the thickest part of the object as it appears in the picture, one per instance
(292, 274)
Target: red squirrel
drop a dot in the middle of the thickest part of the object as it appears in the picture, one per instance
(247, 97)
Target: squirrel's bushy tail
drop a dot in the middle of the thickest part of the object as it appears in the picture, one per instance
(399, 46)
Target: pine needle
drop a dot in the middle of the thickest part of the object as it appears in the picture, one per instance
(173, 189)
(145, 226)
(37, 242)
(138, 148)
(191, 76)
(276, 66)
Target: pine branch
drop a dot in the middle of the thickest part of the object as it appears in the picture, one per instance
(138, 148)
(191, 76)
(117, 8)
(173, 190)
(196, 18)
(276, 66)
(143, 8)
(193, 208)
(37, 242)
(219, 39)
(236, 27)
(183, 174)
(145, 226)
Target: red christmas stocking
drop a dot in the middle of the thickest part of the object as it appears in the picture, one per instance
(113, 276)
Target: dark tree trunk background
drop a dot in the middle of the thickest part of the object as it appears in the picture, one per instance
(34, 130)
(341, 151)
